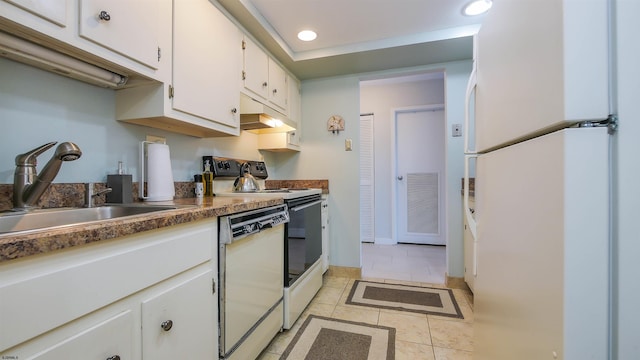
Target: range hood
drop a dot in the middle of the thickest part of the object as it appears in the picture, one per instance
(259, 118)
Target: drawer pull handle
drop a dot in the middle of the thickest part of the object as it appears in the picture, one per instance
(166, 325)
(114, 357)
(104, 16)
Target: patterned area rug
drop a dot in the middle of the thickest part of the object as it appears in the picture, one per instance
(322, 338)
(424, 300)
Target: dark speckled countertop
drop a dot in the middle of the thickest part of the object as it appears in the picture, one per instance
(22, 244)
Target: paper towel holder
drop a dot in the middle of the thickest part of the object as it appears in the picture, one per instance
(160, 186)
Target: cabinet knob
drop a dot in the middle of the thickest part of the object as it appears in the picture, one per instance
(104, 16)
(264, 84)
(275, 91)
(400, 177)
(166, 325)
(234, 110)
(114, 357)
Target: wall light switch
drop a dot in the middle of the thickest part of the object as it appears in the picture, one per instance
(456, 130)
(348, 145)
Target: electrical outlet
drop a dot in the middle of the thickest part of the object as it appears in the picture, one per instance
(456, 130)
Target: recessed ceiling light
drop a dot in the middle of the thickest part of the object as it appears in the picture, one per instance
(307, 35)
(477, 7)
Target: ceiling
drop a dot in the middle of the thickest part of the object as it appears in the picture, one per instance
(358, 36)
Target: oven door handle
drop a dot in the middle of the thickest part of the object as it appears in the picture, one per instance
(304, 206)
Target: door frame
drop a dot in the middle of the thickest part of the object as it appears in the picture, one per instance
(394, 195)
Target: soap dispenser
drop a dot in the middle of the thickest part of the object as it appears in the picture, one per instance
(207, 176)
(121, 185)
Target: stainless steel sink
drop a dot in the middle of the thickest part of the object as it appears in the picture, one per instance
(48, 218)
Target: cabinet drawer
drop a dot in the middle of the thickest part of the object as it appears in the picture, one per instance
(109, 338)
(59, 288)
(180, 323)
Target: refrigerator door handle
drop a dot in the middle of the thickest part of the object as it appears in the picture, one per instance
(467, 211)
(471, 86)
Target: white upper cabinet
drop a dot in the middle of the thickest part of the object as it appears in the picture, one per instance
(263, 78)
(201, 96)
(255, 73)
(121, 36)
(278, 87)
(129, 28)
(54, 11)
(206, 62)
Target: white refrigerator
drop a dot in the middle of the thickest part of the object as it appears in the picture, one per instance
(542, 142)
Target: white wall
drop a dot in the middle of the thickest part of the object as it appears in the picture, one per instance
(323, 156)
(380, 98)
(37, 107)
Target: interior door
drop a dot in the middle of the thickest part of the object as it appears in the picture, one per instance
(420, 176)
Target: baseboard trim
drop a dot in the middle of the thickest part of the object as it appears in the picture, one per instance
(345, 271)
(455, 282)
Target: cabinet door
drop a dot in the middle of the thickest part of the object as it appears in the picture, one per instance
(181, 322)
(325, 235)
(102, 341)
(294, 103)
(256, 69)
(127, 27)
(54, 11)
(469, 255)
(278, 87)
(206, 62)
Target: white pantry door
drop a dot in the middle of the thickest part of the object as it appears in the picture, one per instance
(419, 176)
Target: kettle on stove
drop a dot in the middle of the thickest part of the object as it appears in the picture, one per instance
(245, 182)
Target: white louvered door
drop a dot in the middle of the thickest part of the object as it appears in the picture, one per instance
(420, 169)
(367, 230)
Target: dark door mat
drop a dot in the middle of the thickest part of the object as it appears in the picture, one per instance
(425, 300)
(323, 338)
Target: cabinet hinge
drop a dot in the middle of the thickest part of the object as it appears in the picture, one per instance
(244, 45)
(213, 285)
(170, 91)
(244, 75)
(159, 53)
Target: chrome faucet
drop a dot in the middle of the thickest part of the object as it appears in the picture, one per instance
(90, 193)
(28, 186)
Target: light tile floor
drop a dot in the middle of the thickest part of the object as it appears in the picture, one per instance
(418, 336)
(420, 263)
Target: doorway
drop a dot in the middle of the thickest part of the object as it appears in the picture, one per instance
(382, 256)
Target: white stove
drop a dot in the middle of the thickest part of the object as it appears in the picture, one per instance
(283, 193)
(303, 232)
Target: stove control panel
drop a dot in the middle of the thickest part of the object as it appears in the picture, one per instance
(230, 168)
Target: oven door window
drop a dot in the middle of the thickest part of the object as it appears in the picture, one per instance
(304, 239)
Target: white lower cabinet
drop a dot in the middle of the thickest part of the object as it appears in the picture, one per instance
(469, 250)
(111, 339)
(325, 234)
(147, 296)
(177, 323)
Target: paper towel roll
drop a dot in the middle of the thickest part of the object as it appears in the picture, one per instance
(160, 185)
